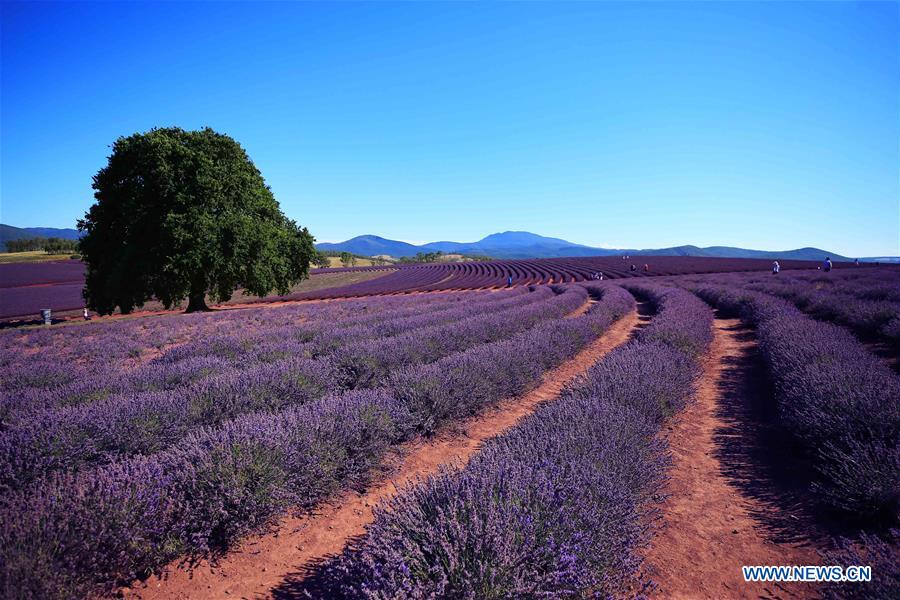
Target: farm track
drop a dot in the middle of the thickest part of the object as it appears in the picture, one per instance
(729, 499)
(274, 565)
(581, 309)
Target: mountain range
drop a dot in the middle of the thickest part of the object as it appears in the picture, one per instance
(509, 244)
(522, 244)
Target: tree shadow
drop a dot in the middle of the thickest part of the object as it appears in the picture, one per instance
(309, 581)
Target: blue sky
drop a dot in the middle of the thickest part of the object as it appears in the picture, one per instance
(770, 126)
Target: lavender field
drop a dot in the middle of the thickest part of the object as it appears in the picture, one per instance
(28, 287)
(134, 447)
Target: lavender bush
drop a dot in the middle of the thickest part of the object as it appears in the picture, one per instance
(869, 550)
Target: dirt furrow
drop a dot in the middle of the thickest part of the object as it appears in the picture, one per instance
(581, 309)
(264, 562)
(722, 509)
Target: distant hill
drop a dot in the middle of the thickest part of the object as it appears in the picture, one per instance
(8, 232)
(508, 244)
(522, 244)
(515, 244)
(881, 259)
(372, 245)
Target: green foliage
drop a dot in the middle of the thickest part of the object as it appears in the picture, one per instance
(347, 259)
(25, 245)
(60, 246)
(320, 259)
(423, 257)
(185, 214)
(49, 245)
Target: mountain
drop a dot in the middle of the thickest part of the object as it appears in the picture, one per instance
(508, 244)
(514, 244)
(8, 232)
(372, 245)
(731, 252)
(522, 244)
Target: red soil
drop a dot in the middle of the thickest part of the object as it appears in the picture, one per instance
(712, 523)
(264, 562)
(581, 309)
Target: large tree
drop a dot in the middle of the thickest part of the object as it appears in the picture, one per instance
(185, 214)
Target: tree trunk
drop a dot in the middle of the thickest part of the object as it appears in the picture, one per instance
(197, 303)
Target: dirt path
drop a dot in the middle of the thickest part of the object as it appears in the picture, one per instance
(581, 309)
(721, 511)
(261, 564)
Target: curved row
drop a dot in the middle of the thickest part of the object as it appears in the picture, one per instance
(492, 274)
(63, 284)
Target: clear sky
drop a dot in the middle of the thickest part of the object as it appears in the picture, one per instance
(771, 126)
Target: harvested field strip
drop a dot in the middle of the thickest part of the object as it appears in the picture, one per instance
(263, 563)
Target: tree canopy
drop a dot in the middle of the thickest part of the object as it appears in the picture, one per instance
(185, 214)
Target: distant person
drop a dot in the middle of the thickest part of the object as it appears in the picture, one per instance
(827, 264)
(87, 316)
(775, 268)
(646, 268)
(600, 275)
(633, 268)
(509, 281)
(856, 262)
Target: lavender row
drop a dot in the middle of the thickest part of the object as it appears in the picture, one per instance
(866, 317)
(461, 384)
(866, 284)
(325, 336)
(555, 507)
(42, 385)
(676, 323)
(368, 363)
(219, 353)
(146, 423)
(54, 384)
(76, 534)
(867, 300)
(834, 397)
(103, 344)
(70, 438)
